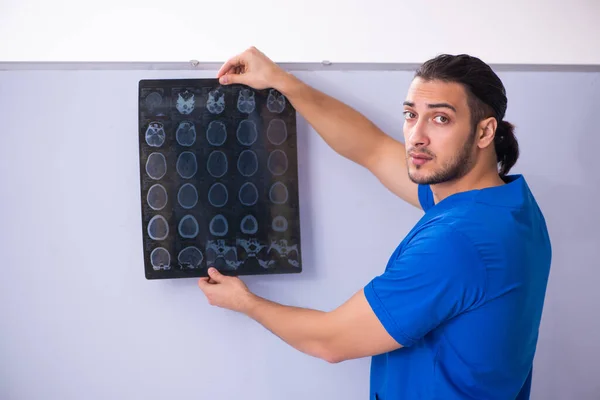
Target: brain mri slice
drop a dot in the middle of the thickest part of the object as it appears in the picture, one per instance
(186, 133)
(157, 197)
(277, 163)
(215, 103)
(155, 134)
(254, 249)
(279, 224)
(248, 194)
(276, 132)
(246, 102)
(153, 101)
(158, 228)
(218, 195)
(221, 256)
(287, 253)
(216, 133)
(185, 102)
(217, 164)
(218, 225)
(275, 101)
(187, 196)
(246, 132)
(249, 225)
(188, 227)
(278, 194)
(247, 163)
(187, 165)
(156, 166)
(160, 259)
(190, 257)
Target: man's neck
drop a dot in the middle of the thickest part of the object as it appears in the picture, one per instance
(474, 180)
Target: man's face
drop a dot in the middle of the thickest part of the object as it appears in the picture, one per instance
(438, 134)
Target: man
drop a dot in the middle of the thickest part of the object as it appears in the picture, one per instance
(456, 313)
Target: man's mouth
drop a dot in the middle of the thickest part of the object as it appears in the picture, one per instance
(419, 159)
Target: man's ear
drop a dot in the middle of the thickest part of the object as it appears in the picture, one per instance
(486, 131)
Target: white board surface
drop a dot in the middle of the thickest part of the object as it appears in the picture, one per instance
(376, 31)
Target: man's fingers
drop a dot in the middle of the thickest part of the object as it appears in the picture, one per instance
(215, 275)
(232, 78)
(230, 65)
(203, 283)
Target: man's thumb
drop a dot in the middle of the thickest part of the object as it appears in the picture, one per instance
(215, 274)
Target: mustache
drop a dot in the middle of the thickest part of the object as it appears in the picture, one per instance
(420, 151)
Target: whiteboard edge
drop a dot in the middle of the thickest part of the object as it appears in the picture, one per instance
(194, 65)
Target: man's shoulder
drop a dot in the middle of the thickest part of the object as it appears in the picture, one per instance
(499, 230)
(443, 232)
(469, 224)
(470, 227)
(495, 218)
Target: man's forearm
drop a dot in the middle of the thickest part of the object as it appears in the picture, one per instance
(304, 329)
(344, 129)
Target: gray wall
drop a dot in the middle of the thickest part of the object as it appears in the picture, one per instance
(79, 320)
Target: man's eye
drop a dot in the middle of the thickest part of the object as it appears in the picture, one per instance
(408, 114)
(441, 119)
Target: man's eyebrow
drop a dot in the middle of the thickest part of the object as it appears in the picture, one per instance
(435, 105)
(442, 105)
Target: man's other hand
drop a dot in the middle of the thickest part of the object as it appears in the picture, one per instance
(225, 291)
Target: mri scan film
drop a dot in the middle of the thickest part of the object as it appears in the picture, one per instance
(219, 179)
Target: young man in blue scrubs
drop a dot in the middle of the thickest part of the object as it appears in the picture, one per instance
(456, 312)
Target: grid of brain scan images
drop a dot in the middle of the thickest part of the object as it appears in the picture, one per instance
(219, 179)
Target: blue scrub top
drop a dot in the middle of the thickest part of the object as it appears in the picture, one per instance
(463, 294)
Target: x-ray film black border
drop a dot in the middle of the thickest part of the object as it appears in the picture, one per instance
(152, 274)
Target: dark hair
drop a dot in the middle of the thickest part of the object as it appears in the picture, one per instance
(486, 98)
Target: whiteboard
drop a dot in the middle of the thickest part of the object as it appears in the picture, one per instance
(375, 31)
(79, 317)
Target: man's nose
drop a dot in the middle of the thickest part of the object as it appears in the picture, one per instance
(418, 134)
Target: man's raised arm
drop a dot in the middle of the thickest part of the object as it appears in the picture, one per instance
(344, 129)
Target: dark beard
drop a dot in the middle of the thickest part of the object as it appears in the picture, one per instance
(455, 169)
